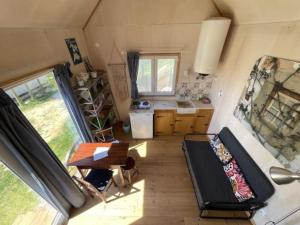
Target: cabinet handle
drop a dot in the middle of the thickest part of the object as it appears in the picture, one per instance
(178, 120)
(200, 116)
(158, 116)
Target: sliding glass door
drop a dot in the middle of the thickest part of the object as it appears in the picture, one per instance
(42, 104)
(40, 101)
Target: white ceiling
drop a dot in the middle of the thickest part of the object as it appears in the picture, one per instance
(154, 12)
(45, 13)
(260, 11)
(74, 13)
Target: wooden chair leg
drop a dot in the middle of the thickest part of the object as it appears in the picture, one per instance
(135, 171)
(102, 196)
(114, 182)
(129, 177)
(87, 191)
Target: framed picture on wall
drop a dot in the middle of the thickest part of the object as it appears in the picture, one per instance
(270, 108)
(74, 50)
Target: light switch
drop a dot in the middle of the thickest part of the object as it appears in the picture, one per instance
(220, 93)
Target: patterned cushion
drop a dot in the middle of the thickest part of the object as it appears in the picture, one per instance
(220, 150)
(240, 188)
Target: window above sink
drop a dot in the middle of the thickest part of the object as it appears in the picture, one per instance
(157, 74)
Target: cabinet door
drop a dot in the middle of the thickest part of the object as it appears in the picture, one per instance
(163, 122)
(184, 124)
(203, 120)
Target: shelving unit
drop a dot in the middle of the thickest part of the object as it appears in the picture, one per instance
(97, 103)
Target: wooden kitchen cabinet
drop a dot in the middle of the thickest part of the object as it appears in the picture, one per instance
(163, 122)
(202, 120)
(184, 124)
(167, 122)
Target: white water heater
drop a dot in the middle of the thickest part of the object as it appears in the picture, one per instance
(212, 36)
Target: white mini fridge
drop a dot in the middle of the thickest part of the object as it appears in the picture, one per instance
(141, 124)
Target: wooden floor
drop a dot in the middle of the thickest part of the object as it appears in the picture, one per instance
(162, 194)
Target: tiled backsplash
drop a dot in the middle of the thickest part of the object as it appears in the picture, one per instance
(194, 89)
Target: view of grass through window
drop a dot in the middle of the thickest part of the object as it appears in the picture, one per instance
(42, 104)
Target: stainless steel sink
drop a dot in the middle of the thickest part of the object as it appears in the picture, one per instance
(185, 107)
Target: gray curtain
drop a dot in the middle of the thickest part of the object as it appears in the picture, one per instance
(24, 151)
(62, 76)
(133, 66)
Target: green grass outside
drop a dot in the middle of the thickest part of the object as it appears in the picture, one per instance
(36, 101)
(16, 197)
(63, 142)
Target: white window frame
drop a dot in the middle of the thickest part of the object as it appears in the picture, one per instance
(154, 58)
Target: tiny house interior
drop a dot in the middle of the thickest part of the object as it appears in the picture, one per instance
(136, 112)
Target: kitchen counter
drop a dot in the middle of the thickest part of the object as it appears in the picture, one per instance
(173, 117)
(200, 105)
(164, 105)
(169, 105)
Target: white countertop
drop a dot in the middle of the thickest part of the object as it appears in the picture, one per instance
(200, 105)
(169, 105)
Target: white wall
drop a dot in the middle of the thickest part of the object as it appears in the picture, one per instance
(45, 14)
(26, 50)
(32, 34)
(149, 26)
(246, 44)
(260, 11)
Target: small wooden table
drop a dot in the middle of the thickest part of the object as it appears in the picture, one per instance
(117, 155)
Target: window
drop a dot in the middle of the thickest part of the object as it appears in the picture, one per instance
(41, 103)
(157, 74)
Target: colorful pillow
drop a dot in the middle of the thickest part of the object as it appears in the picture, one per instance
(240, 188)
(220, 150)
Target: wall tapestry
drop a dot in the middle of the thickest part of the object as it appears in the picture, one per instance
(120, 80)
(74, 50)
(270, 108)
